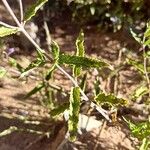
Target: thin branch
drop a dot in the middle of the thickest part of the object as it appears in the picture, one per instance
(7, 25)
(103, 112)
(21, 11)
(48, 36)
(11, 13)
(145, 65)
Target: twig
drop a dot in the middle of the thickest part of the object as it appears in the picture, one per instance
(49, 40)
(7, 25)
(104, 113)
(21, 11)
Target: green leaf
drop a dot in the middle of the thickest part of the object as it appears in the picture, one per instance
(140, 130)
(41, 55)
(35, 90)
(14, 63)
(59, 110)
(55, 50)
(135, 36)
(36, 63)
(142, 90)
(145, 144)
(97, 89)
(33, 9)
(2, 72)
(82, 61)
(147, 42)
(110, 99)
(80, 52)
(138, 65)
(80, 44)
(50, 71)
(147, 33)
(5, 31)
(83, 82)
(74, 109)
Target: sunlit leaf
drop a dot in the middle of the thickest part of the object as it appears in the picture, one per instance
(5, 31)
(74, 112)
(80, 52)
(140, 130)
(35, 90)
(82, 61)
(110, 99)
(142, 90)
(8, 131)
(135, 36)
(55, 50)
(145, 144)
(147, 42)
(147, 33)
(33, 9)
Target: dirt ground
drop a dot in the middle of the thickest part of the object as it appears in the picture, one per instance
(98, 43)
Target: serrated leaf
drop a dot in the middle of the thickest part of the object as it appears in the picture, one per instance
(80, 44)
(80, 52)
(35, 90)
(110, 99)
(2, 72)
(74, 109)
(5, 31)
(82, 61)
(59, 110)
(33, 9)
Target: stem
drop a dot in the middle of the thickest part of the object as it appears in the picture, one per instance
(21, 11)
(7, 25)
(99, 109)
(145, 65)
(11, 13)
